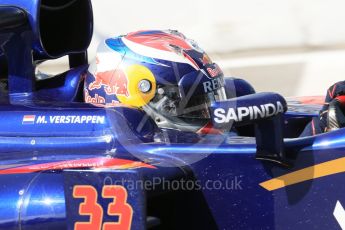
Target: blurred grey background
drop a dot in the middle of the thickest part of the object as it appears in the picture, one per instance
(289, 46)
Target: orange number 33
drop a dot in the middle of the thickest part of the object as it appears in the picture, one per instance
(90, 207)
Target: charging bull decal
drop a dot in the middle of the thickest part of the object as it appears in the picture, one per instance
(115, 82)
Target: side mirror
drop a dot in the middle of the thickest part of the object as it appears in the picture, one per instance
(58, 27)
(38, 30)
(266, 112)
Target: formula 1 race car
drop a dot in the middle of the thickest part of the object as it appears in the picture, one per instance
(67, 164)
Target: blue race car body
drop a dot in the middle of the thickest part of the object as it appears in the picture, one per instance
(68, 165)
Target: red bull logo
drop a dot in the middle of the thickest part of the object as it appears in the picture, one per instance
(115, 82)
(214, 71)
(98, 100)
(94, 100)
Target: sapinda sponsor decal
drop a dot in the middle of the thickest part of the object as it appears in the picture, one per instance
(247, 113)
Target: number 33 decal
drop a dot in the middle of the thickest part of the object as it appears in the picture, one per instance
(90, 207)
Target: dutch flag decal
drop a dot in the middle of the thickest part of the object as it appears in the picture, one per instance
(29, 120)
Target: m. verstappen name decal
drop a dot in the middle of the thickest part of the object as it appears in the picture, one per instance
(32, 119)
(247, 113)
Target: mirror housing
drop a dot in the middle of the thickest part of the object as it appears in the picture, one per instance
(38, 30)
(58, 27)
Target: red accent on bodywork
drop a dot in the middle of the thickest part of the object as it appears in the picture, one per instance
(312, 100)
(209, 129)
(94, 163)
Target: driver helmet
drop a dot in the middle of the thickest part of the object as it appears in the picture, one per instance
(161, 72)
